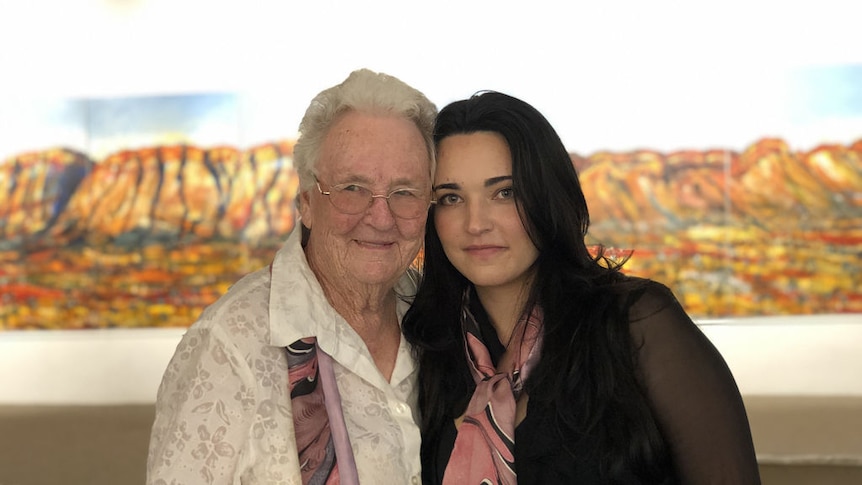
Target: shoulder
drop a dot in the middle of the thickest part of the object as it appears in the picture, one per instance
(238, 320)
(663, 333)
(229, 342)
(652, 307)
(645, 298)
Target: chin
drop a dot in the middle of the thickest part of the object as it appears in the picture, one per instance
(371, 274)
(486, 280)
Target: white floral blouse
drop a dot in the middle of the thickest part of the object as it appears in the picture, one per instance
(223, 413)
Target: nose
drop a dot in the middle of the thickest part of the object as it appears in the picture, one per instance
(379, 215)
(478, 217)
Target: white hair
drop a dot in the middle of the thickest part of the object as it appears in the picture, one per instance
(364, 91)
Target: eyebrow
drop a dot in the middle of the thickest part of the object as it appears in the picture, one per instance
(488, 183)
(367, 182)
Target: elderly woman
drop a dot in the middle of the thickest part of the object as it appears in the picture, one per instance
(300, 373)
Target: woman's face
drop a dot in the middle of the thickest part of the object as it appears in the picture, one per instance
(476, 215)
(373, 247)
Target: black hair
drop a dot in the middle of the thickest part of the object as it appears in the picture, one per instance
(587, 371)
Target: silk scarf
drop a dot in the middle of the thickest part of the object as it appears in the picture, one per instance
(484, 451)
(325, 455)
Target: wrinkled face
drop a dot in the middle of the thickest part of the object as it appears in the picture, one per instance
(382, 153)
(476, 216)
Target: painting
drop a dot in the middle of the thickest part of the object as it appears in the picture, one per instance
(765, 231)
(141, 211)
(144, 213)
(772, 227)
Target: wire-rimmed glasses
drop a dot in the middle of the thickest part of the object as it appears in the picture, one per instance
(351, 198)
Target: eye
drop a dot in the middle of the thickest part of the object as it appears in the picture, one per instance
(505, 193)
(448, 199)
(351, 188)
(405, 193)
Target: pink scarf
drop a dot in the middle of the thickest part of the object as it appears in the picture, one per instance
(325, 455)
(484, 449)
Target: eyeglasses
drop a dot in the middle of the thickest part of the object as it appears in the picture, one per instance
(406, 203)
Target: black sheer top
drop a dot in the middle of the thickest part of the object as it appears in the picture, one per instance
(690, 391)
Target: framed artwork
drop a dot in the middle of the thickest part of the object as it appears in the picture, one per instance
(141, 211)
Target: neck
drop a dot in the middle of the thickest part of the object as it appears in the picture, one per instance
(371, 311)
(504, 306)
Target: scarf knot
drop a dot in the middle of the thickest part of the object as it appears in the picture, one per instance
(484, 450)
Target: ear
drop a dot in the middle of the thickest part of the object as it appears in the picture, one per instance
(304, 203)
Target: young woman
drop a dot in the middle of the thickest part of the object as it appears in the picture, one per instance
(540, 363)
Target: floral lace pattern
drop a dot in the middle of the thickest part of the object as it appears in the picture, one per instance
(223, 413)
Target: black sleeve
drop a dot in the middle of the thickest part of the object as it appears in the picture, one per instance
(692, 393)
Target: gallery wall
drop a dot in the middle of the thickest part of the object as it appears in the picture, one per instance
(625, 76)
(623, 82)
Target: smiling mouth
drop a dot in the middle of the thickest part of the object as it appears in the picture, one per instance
(374, 245)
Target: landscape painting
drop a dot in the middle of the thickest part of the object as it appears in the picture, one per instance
(143, 224)
(140, 211)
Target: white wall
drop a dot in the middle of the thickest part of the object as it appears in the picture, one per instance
(661, 74)
(84, 366)
(798, 355)
(617, 75)
(804, 355)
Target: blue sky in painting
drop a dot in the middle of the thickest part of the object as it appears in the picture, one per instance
(100, 126)
(134, 122)
(826, 92)
(28, 124)
(803, 105)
